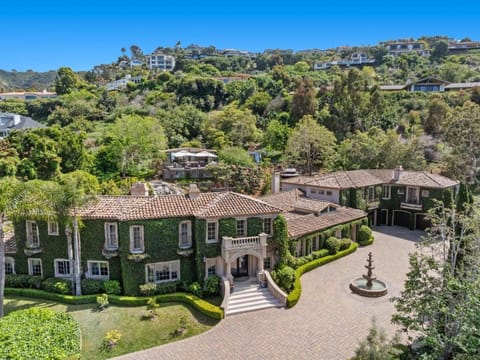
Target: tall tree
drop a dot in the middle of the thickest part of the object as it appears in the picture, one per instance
(304, 102)
(67, 81)
(310, 146)
(139, 141)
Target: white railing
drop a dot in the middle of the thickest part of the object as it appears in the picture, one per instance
(245, 242)
(410, 206)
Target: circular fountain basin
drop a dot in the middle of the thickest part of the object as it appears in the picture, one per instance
(359, 286)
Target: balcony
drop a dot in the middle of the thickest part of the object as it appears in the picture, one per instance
(252, 244)
(411, 206)
(373, 204)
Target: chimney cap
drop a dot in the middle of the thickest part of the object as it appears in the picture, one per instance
(193, 191)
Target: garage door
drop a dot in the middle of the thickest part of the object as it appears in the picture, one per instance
(401, 219)
(382, 217)
(422, 222)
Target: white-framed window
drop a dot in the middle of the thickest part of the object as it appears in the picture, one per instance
(313, 191)
(425, 193)
(241, 227)
(162, 271)
(97, 269)
(33, 237)
(321, 192)
(9, 265)
(212, 231)
(52, 228)
(412, 195)
(267, 263)
(267, 226)
(386, 191)
(400, 191)
(212, 270)
(137, 242)
(315, 243)
(329, 193)
(35, 267)
(370, 193)
(62, 267)
(185, 234)
(111, 236)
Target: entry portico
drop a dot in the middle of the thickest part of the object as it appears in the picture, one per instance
(244, 255)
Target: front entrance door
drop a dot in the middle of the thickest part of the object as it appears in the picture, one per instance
(240, 266)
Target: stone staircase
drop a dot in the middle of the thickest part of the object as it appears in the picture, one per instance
(249, 296)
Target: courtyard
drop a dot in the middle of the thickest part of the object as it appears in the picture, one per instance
(328, 321)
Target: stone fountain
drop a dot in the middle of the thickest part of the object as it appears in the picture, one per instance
(368, 285)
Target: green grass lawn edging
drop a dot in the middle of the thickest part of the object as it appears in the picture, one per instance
(294, 295)
(210, 310)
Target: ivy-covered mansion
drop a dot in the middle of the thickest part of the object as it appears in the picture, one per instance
(390, 196)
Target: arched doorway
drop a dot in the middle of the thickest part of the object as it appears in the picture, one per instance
(240, 266)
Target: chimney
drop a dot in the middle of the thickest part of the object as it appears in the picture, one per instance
(275, 186)
(193, 191)
(16, 119)
(396, 172)
(139, 189)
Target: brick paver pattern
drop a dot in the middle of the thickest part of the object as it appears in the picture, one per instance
(327, 323)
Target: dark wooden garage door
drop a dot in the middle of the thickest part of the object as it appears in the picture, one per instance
(382, 217)
(401, 219)
(422, 222)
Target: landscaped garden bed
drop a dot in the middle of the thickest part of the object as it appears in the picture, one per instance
(136, 331)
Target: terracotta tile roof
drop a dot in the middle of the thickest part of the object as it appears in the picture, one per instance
(306, 224)
(294, 200)
(206, 205)
(9, 243)
(363, 178)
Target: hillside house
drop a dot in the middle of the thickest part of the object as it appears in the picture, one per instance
(13, 122)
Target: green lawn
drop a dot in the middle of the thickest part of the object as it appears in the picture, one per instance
(137, 333)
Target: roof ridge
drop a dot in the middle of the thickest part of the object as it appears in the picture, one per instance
(427, 174)
(347, 173)
(210, 204)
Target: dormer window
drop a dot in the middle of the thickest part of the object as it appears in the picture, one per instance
(33, 237)
(111, 236)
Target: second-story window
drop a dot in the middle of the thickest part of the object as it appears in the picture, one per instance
(212, 231)
(33, 237)
(137, 243)
(386, 193)
(111, 236)
(52, 228)
(185, 234)
(267, 226)
(241, 227)
(412, 195)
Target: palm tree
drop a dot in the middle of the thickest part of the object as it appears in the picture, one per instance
(78, 189)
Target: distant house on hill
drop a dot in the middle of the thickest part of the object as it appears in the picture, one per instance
(356, 59)
(10, 122)
(397, 48)
(160, 61)
(430, 84)
(30, 95)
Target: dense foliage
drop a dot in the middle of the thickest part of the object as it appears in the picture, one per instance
(38, 333)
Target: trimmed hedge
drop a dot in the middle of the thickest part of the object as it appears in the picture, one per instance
(293, 296)
(203, 306)
(39, 333)
(367, 242)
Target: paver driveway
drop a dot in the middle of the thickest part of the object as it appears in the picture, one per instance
(327, 322)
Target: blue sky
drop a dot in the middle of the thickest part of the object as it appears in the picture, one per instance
(44, 35)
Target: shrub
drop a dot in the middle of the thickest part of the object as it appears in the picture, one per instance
(284, 277)
(41, 294)
(91, 286)
(210, 310)
(112, 287)
(102, 301)
(333, 245)
(151, 289)
(195, 289)
(57, 285)
(111, 339)
(23, 281)
(365, 243)
(39, 333)
(364, 234)
(320, 253)
(211, 286)
(345, 244)
(152, 307)
(148, 289)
